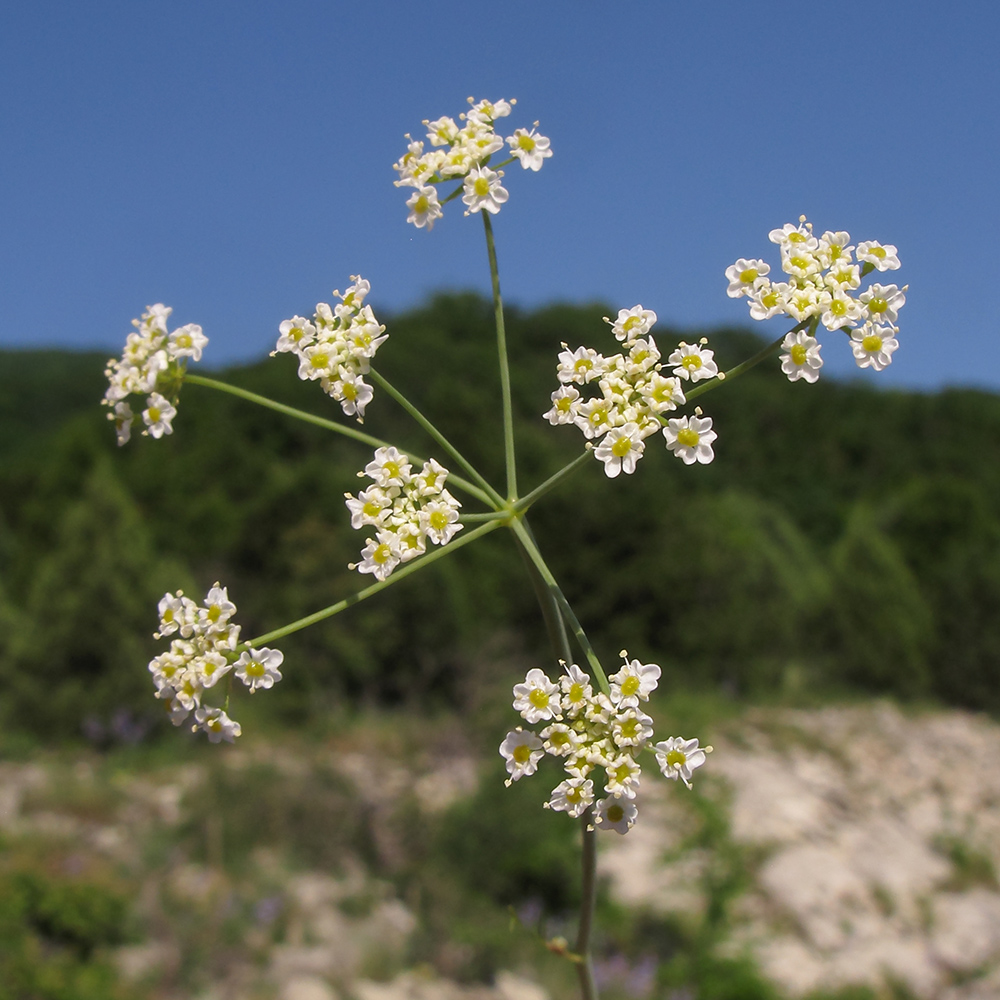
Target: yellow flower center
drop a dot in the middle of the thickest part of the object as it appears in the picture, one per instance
(538, 698)
(692, 362)
(675, 757)
(481, 187)
(688, 437)
(522, 754)
(877, 305)
(621, 447)
(872, 343)
(749, 275)
(526, 142)
(630, 686)
(798, 354)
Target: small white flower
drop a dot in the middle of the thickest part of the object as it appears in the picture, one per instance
(371, 506)
(884, 258)
(635, 682)
(157, 416)
(483, 190)
(123, 421)
(620, 449)
(801, 358)
(690, 439)
(217, 724)
(431, 479)
(424, 207)
(572, 796)
(352, 392)
(537, 698)
(218, 608)
(295, 334)
(259, 668)
(576, 690)
(873, 346)
(560, 740)
(791, 237)
(581, 366)
(522, 750)
(883, 302)
(631, 728)
(439, 520)
(618, 814)
(678, 757)
(661, 393)
(633, 323)
(389, 467)
(693, 362)
(769, 300)
(746, 276)
(187, 342)
(380, 556)
(564, 406)
(211, 667)
(530, 148)
(622, 771)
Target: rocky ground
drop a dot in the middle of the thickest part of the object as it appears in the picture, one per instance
(865, 841)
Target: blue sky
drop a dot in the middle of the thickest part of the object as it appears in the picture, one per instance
(233, 160)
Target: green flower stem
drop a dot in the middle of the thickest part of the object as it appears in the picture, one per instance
(552, 482)
(330, 425)
(493, 515)
(554, 623)
(438, 436)
(524, 537)
(585, 967)
(765, 352)
(361, 595)
(508, 418)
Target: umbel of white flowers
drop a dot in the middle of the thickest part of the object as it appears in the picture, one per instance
(598, 737)
(203, 652)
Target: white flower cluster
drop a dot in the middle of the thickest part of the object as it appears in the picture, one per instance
(462, 152)
(336, 346)
(406, 510)
(202, 654)
(821, 275)
(592, 733)
(632, 394)
(152, 364)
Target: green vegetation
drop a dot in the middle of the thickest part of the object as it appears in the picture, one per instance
(844, 539)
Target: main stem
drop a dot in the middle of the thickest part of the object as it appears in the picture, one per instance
(556, 626)
(588, 902)
(508, 416)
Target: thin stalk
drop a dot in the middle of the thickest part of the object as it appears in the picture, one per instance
(746, 365)
(551, 483)
(361, 595)
(524, 536)
(437, 435)
(330, 425)
(508, 416)
(585, 966)
(554, 623)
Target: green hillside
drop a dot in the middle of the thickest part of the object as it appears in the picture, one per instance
(844, 538)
